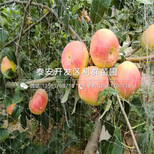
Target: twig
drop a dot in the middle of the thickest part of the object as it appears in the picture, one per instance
(45, 7)
(38, 81)
(74, 33)
(139, 59)
(92, 144)
(26, 30)
(128, 124)
(134, 51)
(20, 38)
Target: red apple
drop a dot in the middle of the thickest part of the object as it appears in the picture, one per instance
(127, 80)
(74, 56)
(90, 82)
(104, 48)
(39, 102)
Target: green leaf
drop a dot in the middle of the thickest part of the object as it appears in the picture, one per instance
(137, 105)
(17, 98)
(122, 49)
(65, 97)
(107, 93)
(16, 112)
(113, 145)
(45, 120)
(23, 120)
(10, 54)
(65, 20)
(7, 101)
(85, 25)
(89, 1)
(71, 139)
(119, 4)
(143, 141)
(98, 8)
(10, 74)
(33, 149)
(45, 39)
(109, 127)
(107, 108)
(76, 97)
(146, 2)
(4, 134)
(122, 56)
(18, 141)
(126, 107)
(75, 8)
(2, 117)
(60, 7)
(118, 147)
(35, 75)
(3, 35)
(62, 78)
(54, 64)
(54, 142)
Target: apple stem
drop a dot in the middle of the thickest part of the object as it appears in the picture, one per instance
(128, 124)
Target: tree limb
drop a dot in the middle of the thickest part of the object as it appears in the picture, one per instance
(12, 85)
(92, 144)
(20, 38)
(128, 124)
(138, 59)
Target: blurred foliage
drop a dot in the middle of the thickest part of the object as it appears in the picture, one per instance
(41, 47)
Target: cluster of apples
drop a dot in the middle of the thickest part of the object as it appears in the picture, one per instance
(104, 51)
(40, 99)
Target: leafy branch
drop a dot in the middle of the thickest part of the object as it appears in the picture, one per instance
(27, 29)
(43, 7)
(20, 38)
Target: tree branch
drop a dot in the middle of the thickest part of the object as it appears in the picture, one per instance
(128, 124)
(26, 30)
(43, 7)
(12, 85)
(74, 33)
(92, 144)
(20, 38)
(134, 51)
(138, 59)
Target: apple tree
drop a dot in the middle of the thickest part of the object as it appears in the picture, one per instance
(44, 108)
